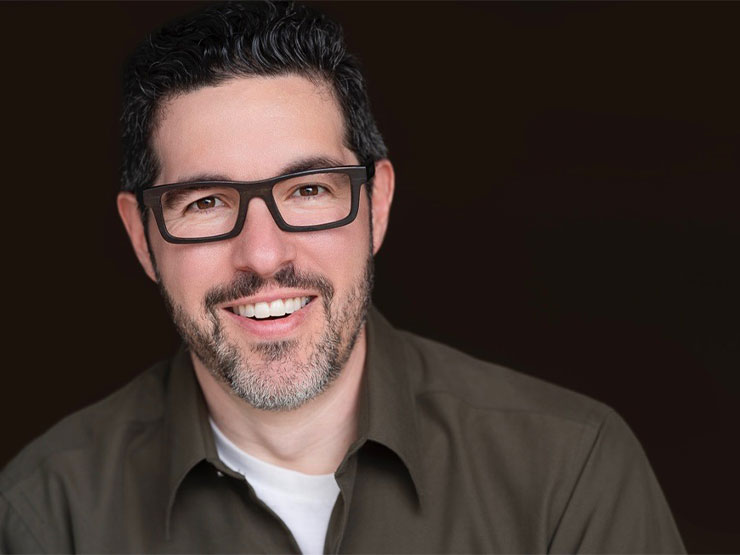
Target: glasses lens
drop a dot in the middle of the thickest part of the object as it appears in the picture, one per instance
(316, 199)
(200, 211)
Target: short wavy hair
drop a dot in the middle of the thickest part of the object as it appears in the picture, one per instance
(231, 40)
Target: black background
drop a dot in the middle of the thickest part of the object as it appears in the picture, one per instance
(567, 205)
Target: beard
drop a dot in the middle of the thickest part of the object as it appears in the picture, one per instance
(277, 375)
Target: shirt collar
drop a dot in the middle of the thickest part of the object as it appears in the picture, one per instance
(188, 435)
(387, 410)
(389, 413)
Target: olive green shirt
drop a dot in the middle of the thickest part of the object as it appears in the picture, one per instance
(454, 455)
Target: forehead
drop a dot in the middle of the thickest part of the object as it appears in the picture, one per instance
(248, 128)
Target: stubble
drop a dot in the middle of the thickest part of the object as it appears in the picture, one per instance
(277, 375)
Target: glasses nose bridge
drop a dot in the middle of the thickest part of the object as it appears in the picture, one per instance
(260, 244)
(249, 192)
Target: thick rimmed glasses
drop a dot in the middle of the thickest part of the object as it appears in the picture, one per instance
(203, 211)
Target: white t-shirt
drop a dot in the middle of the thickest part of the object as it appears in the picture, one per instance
(303, 501)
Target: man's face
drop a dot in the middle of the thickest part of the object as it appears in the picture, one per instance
(251, 129)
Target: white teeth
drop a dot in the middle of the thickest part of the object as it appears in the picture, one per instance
(261, 310)
(278, 307)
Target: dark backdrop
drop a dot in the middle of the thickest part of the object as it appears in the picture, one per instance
(566, 205)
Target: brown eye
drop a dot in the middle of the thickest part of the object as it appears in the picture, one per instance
(309, 190)
(205, 203)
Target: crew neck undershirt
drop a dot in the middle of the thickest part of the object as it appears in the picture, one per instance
(303, 501)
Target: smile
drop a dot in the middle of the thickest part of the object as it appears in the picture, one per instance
(278, 308)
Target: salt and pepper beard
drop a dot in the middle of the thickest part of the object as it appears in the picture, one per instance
(274, 376)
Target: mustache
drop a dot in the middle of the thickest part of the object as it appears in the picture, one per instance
(246, 284)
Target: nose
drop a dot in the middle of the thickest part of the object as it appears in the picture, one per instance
(262, 247)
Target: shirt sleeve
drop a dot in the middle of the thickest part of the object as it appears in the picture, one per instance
(616, 505)
(15, 536)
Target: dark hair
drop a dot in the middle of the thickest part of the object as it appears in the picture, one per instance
(230, 40)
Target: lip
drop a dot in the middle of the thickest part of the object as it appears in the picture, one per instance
(271, 330)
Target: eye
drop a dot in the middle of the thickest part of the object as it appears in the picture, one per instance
(311, 190)
(205, 203)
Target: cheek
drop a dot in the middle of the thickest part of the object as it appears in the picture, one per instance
(189, 271)
(340, 254)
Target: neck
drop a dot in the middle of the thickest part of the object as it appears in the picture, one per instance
(312, 439)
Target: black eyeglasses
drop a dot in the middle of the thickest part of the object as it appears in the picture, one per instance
(203, 211)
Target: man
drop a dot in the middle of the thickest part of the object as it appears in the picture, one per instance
(256, 190)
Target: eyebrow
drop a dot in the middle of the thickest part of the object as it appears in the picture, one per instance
(300, 165)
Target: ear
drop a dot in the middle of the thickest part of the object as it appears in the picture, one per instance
(128, 209)
(383, 186)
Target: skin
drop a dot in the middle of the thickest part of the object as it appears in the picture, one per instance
(249, 129)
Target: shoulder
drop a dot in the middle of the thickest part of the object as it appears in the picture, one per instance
(449, 375)
(558, 458)
(533, 454)
(87, 436)
(57, 484)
